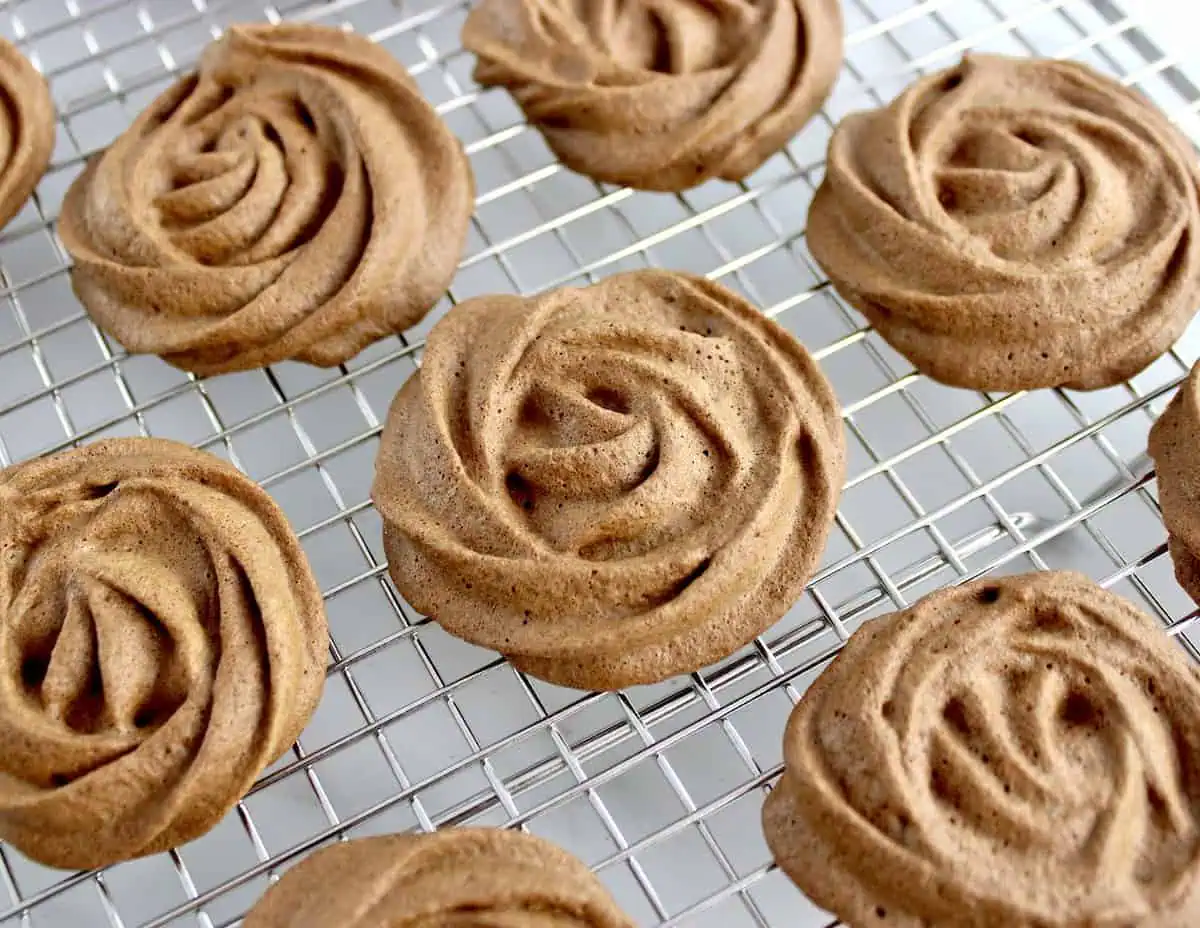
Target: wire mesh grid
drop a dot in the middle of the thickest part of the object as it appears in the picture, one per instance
(658, 788)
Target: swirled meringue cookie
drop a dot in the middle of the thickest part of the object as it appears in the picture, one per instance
(660, 95)
(1014, 223)
(610, 485)
(1021, 751)
(1173, 443)
(296, 198)
(26, 129)
(458, 876)
(162, 640)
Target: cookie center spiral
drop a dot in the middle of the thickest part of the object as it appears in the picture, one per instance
(91, 649)
(1038, 174)
(254, 176)
(676, 37)
(618, 445)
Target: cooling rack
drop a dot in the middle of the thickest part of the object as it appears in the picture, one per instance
(658, 788)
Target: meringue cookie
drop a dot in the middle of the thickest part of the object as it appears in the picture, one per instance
(661, 94)
(1174, 439)
(1014, 223)
(26, 130)
(609, 485)
(458, 876)
(296, 198)
(162, 640)
(1019, 751)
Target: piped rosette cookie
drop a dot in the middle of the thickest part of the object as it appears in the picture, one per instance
(1020, 751)
(660, 94)
(294, 199)
(162, 640)
(1014, 223)
(454, 877)
(610, 485)
(26, 129)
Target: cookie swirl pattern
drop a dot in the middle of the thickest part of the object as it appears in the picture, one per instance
(1013, 224)
(609, 485)
(26, 129)
(162, 640)
(457, 876)
(297, 198)
(661, 94)
(1020, 751)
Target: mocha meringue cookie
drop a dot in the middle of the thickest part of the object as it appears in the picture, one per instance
(457, 876)
(1014, 223)
(296, 198)
(1021, 751)
(162, 640)
(26, 130)
(610, 485)
(1174, 439)
(660, 94)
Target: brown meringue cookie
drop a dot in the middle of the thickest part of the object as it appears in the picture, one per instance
(1020, 751)
(1014, 223)
(660, 94)
(26, 130)
(609, 485)
(162, 640)
(459, 876)
(1174, 439)
(296, 198)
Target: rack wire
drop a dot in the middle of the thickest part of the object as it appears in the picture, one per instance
(658, 788)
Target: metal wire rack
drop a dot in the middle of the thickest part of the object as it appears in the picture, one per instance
(658, 788)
